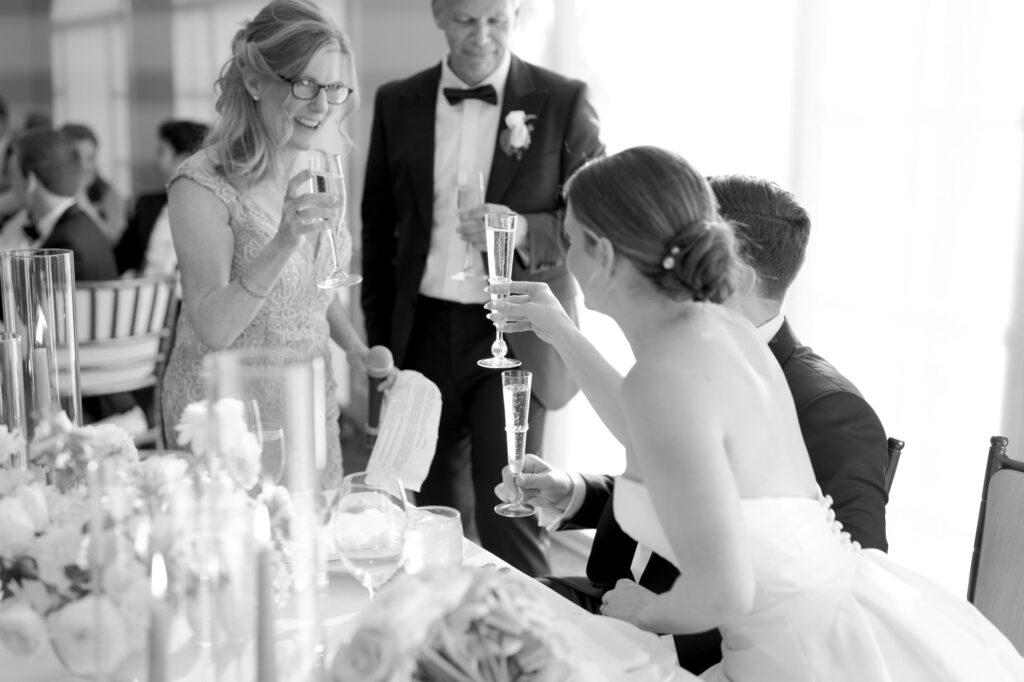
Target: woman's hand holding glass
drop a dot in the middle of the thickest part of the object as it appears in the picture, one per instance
(305, 212)
(531, 306)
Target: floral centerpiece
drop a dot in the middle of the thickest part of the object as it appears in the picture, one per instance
(87, 593)
(468, 625)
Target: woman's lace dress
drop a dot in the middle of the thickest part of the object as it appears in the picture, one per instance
(824, 609)
(293, 316)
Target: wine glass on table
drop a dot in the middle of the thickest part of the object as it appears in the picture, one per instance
(501, 246)
(515, 388)
(272, 454)
(368, 527)
(469, 193)
(329, 178)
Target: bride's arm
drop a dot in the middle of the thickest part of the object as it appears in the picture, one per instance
(679, 442)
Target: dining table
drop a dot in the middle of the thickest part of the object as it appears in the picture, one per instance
(605, 648)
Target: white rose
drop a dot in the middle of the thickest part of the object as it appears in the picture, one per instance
(22, 630)
(56, 549)
(515, 119)
(16, 528)
(194, 427)
(112, 441)
(89, 636)
(519, 136)
(33, 499)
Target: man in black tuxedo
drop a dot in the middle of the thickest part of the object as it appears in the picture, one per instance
(844, 437)
(146, 246)
(526, 129)
(45, 173)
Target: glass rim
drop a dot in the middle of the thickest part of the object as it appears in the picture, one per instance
(437, 510)
(39, 253)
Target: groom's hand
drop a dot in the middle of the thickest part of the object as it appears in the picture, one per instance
(542, 484)
(626, 602)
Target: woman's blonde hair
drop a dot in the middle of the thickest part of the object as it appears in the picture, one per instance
(278, 43)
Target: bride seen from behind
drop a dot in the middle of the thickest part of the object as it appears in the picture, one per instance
(717, 475)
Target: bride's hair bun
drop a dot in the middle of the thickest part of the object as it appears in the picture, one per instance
(661, 214)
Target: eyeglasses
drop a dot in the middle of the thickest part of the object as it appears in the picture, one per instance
(306, 89)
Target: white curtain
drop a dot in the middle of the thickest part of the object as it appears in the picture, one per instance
(898, 126)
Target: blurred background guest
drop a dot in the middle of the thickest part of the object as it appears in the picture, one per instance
(146, 246)
(96, 195)
(46, 173)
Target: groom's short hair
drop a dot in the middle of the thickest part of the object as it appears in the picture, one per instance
(771, 227)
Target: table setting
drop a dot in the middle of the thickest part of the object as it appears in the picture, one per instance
(225, 560)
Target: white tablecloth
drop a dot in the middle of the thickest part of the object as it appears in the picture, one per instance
(611, 649)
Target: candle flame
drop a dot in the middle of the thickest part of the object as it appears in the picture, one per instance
(41, 326)
(158, 577)
(261, 526)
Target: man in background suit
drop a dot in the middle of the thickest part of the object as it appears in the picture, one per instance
(146, 246)
(427, 128)
(45, 173)
(844, 437)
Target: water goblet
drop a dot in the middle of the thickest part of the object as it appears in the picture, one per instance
(515, 388)
(501, 245)
(368, 527)
(469, 193)
(329, 178)
(433, 538)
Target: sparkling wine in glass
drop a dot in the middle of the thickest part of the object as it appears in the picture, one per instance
(501, 246)
(469, 193)
(329, 178)
(271, 454)
(368, 527)
(515, 388)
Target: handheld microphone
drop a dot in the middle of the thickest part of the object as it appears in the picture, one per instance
(379, 364)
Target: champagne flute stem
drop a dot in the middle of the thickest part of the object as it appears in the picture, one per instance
(334, 248)
(519, 493)
(467, 259)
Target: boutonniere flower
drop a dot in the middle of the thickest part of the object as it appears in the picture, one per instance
(515, 138)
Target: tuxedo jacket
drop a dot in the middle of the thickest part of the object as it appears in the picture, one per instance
(848, 450)
(397, 206)
(93, 253)
(131, 249)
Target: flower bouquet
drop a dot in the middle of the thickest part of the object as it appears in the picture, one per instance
(467, 625)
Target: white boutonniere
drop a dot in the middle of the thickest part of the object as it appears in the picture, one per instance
(515, 138)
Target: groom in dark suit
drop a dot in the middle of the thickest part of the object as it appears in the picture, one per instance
(844, 437)
(527, 129)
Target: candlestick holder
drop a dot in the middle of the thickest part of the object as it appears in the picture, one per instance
(12, 398)
(38, 288)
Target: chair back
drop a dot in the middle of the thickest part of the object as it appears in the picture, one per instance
(895, 450)
(996, 583)
(124, 333)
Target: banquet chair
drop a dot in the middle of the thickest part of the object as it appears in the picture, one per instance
(895, 450)
(124, 335)
(996, 583)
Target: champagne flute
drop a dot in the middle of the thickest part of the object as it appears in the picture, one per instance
(501, 245)
(329, 178)
(369, 527)
(515, 388)
(469, 193)
(272, 454)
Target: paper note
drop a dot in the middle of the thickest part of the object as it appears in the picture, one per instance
(408, 430)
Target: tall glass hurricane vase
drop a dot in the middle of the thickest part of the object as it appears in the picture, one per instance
(12, 397)
(287, 393)
(501, 246)
(39, 305)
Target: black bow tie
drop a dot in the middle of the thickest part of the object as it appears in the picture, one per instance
(31, 231)
(487, 93)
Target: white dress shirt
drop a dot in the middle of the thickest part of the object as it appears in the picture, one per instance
(49, 220)
(464, 139)
(160, 254)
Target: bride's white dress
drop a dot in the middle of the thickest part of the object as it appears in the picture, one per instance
(824, 609)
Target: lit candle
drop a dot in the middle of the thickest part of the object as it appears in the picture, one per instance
(158, 630)
(266, 666)
(40, 370)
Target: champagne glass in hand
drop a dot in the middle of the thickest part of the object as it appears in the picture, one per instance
(329, 178)
(501, 245)
(469, 193)
(515, 388)
(369, 527)
(272, 454)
